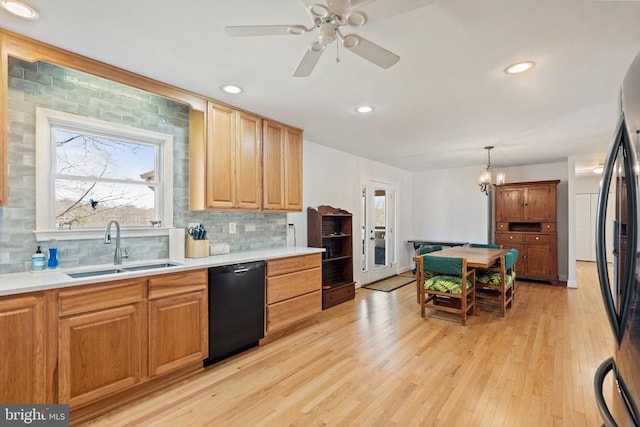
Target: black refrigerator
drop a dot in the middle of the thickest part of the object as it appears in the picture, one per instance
(619, 270)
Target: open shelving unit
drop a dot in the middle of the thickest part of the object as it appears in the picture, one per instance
(331, 229)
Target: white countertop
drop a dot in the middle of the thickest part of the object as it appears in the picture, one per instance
(18, 283)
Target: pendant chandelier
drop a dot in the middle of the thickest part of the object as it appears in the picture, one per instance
(486, 178)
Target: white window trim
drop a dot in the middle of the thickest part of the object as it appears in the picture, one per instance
(45, 187)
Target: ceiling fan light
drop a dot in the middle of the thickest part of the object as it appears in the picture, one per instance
(364, 109)
(232, 89)
(519, 67)
(19, 9)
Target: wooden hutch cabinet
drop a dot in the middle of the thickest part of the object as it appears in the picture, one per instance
(526, 220)
(331, 229)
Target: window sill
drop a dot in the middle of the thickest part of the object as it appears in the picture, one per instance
(98, 233)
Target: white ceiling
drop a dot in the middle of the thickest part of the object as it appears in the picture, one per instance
(445, 99)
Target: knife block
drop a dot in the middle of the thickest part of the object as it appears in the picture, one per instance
(197, 248)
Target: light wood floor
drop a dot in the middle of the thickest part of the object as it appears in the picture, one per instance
(374, 362)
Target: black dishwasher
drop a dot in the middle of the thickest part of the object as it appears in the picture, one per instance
(236, 309)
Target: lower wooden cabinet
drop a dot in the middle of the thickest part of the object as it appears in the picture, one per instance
(537, 254)
(99, 353)
(116, 335)
(100, 333)
(23, 349)
(178, 321)
(294, 290)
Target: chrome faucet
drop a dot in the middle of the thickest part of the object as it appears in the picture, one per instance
(117, 256)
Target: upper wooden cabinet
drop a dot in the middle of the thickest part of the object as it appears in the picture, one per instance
(526, 202)
(282, 167)
(225, 163)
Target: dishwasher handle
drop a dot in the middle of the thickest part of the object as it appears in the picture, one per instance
(241, 270)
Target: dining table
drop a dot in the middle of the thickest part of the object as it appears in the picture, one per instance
(476, 257)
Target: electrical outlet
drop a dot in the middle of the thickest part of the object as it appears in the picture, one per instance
(232, 227)
(250, 227)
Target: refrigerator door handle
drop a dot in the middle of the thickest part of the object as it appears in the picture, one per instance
(598, 381)
(621, 142)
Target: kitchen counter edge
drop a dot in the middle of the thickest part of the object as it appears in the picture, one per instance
(21, 283)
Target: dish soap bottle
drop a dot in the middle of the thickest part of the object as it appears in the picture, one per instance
(38, 261)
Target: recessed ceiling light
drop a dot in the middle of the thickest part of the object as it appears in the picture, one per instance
(364, 109)
(232, 89)
(519, 67)
(19, 9)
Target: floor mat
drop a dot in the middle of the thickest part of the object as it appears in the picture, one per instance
(390, 284)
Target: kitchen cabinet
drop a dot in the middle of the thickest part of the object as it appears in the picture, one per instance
(101, 344)
(293, 291)
(282, 167)
(331, 229)
(23, 349)
(177, 320)
(526, 220)
(225, 159)
(527, 202)
(114, 336)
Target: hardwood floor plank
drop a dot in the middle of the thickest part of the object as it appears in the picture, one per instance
(374, 361)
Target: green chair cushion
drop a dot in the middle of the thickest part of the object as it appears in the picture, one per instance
(448, 284)
(493, 278)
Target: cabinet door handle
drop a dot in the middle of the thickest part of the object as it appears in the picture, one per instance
(511, 237)
(524, 257)
(537, 238)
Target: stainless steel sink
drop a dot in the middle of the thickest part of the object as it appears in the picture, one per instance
(123, 269)
(151, 266)
(95, 273)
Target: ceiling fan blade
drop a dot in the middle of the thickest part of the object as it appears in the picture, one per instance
(265, 30)
(370, 51)
(309, 60)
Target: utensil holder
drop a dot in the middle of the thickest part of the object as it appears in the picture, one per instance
(197, 248)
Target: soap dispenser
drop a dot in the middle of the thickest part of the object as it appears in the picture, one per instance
(38, 261)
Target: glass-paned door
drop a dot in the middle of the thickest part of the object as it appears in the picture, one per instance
(377, 233)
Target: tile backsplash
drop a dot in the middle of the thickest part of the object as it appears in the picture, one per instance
(54, 87)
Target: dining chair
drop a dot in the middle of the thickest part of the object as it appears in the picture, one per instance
(496, 285)
(484, 245)
(451, 288)
(422, 250)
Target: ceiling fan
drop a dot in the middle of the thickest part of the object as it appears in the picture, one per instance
(328, 19)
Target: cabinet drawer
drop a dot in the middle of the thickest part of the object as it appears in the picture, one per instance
(287, 312)
(548, 227)
(502, 226)
(538, 238)
(338, 295)
(97, 297)
(177, 283)
(291, 285)
(507, 238)
(291, 264)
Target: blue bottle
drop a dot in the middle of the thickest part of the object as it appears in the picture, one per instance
(53, 254)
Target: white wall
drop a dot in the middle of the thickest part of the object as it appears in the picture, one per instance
(448, 205)
(332, 177)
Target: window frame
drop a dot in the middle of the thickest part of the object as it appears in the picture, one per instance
(46, 227)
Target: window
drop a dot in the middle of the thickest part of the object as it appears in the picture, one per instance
(90, 171)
